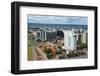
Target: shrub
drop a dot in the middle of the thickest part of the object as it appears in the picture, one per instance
(48, 52)
(82, 46)
(72, 54)
(75, 53)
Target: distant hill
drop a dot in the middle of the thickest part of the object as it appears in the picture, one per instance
(39, 25)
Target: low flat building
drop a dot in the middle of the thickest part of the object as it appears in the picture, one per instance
(46, 35)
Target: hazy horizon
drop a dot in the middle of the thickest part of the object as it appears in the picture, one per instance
(43, 19)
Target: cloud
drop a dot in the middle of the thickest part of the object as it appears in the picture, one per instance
(57, 19)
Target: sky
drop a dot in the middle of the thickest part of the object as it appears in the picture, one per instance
(79, 20)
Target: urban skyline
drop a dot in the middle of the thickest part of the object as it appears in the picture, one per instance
(57, 37)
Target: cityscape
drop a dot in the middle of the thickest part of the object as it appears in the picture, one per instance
(57, 37)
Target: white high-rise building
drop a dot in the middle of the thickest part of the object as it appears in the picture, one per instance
(70, 40)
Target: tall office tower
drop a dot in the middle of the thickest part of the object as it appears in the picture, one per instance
(70, 40)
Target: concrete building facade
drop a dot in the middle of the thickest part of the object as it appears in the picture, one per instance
(84, 37)
(46, 35)
(70, 40)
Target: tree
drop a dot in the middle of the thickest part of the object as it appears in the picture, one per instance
(31, 39)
